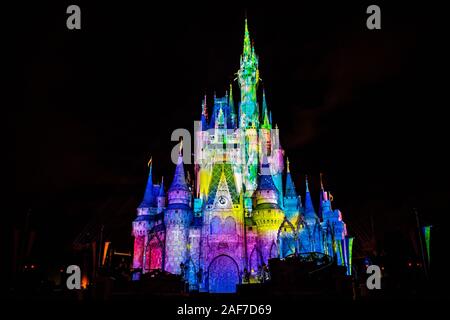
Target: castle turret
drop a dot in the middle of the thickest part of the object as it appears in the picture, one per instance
(277, 157)
(268, 215)
(292, 202)
(333, 225)
(143, 223)
(149, 197)
(161, 198)
(177, 218)
(309, 214)
(266, 121)
(325, 203)
(204, 117)
(265, 137)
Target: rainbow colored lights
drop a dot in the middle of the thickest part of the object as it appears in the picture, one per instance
(222, 228)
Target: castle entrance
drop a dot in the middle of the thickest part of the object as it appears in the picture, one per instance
(223, 275)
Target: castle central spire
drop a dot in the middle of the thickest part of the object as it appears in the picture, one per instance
(248, 75)
(247, 43)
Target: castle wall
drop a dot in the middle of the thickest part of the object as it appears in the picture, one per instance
(177, 223)
(138, 252)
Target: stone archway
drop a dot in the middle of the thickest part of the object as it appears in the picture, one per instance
(223, 275)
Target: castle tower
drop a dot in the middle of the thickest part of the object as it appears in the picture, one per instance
(265, 137)
(177, 218)
(161, 198)
(310, 215)
(238, 214)
(333, 225)
(267, 215)
(147, 219)
(149, 198)
(248, 76)
(292, 201)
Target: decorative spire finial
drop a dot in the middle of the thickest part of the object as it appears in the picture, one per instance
(321, 181)
(307, 184)
(149, 163)
(231, 94)
(265, 114)
(161, 188)
(180, 152)
(287, 166)
(247, 43)
(205, 108)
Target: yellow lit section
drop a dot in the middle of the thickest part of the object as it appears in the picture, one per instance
(205, 178)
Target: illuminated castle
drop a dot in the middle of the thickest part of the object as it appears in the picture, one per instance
(236, 215)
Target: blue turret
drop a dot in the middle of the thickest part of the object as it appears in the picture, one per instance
(310, 213)
(179, 193)
(266, 192)
(290, 187)
(220, 104)
(177, 219)
(292, 202)
(325, 203)
(161, 199)
(179, 180)
(149, 198)
(161, 189)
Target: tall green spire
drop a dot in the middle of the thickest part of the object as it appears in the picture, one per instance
(248, 76)
(247, 43)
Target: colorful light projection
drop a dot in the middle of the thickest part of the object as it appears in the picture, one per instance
(427, 236)
(222, 229)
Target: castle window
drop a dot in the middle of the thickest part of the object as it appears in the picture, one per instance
(215, 225)
(229, 226)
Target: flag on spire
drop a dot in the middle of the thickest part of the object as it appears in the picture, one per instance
(149, 163)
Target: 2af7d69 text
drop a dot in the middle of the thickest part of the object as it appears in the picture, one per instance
(241, 309)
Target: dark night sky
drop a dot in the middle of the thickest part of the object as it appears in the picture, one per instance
(361, 106)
